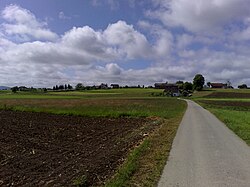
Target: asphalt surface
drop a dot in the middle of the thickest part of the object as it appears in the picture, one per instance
(206, 153)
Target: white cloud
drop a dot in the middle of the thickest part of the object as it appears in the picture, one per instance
(127, 39)
(200, 15)
(23, 25)
(84, 54)
(242, 35)
(184, 40)
(90, 43)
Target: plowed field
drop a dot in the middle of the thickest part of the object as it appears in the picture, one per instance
(228, 95)
(39, 149)
(226, 103)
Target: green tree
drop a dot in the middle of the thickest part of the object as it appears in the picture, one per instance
(243, 86)
(180, 84)
(187, 86)
(69, 87)
(14, 89)
(61, 87)
(198, 82)
(79, 86)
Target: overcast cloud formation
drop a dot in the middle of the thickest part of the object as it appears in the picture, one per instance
(172, 40)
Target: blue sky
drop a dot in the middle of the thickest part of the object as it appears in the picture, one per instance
(48, 42)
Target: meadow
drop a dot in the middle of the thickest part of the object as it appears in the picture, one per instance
(142, 162)
(230, 106)
(96, 103)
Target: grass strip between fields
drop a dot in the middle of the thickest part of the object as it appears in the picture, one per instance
(145, 163)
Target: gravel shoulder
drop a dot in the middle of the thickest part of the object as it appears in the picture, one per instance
(206, 153)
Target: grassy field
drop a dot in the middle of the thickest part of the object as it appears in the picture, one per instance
(145, 163)
(110, 103)
(230, 106)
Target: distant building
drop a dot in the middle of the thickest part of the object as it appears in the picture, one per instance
(115, 86)
(103, 86)
(172, 89)
(218, 85)
(160, 85)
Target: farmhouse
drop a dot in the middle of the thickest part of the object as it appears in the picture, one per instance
(218, 85)
(115, 86)
(103, 86)
(172, 89)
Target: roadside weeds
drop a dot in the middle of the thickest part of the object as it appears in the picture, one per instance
(145, 163)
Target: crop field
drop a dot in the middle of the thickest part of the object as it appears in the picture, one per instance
(232, 107)
(85, 138)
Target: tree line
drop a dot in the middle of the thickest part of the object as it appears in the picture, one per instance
(62, 87)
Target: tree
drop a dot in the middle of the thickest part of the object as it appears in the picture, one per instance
(61, 87)
(65, 87)
(69, 87)
(187, 86)
(14, 89)
(180, 84)
(243, 86)
(198, 82)
(79, 86)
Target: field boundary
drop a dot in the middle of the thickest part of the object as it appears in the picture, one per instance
(144, 165)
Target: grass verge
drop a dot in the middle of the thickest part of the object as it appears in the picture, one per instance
(146, 162)
(237, 121)
(236, 118)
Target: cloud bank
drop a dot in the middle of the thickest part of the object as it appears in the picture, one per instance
(178, 37)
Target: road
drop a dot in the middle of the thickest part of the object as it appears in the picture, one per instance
(206, 153)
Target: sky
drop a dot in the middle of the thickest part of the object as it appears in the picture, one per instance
(129, 42)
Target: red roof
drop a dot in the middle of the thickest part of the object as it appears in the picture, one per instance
(217, 85)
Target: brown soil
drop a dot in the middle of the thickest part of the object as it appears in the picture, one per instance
(227, 103)
(39, 149)
(228, 95)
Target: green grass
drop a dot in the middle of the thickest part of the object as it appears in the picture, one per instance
(144, 107)
(109, 93)
(127, 170)
(101, 103)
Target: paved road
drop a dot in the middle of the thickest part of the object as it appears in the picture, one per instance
(206, 153)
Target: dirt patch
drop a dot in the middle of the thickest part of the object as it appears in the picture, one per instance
(228, 95)
(39, 149)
